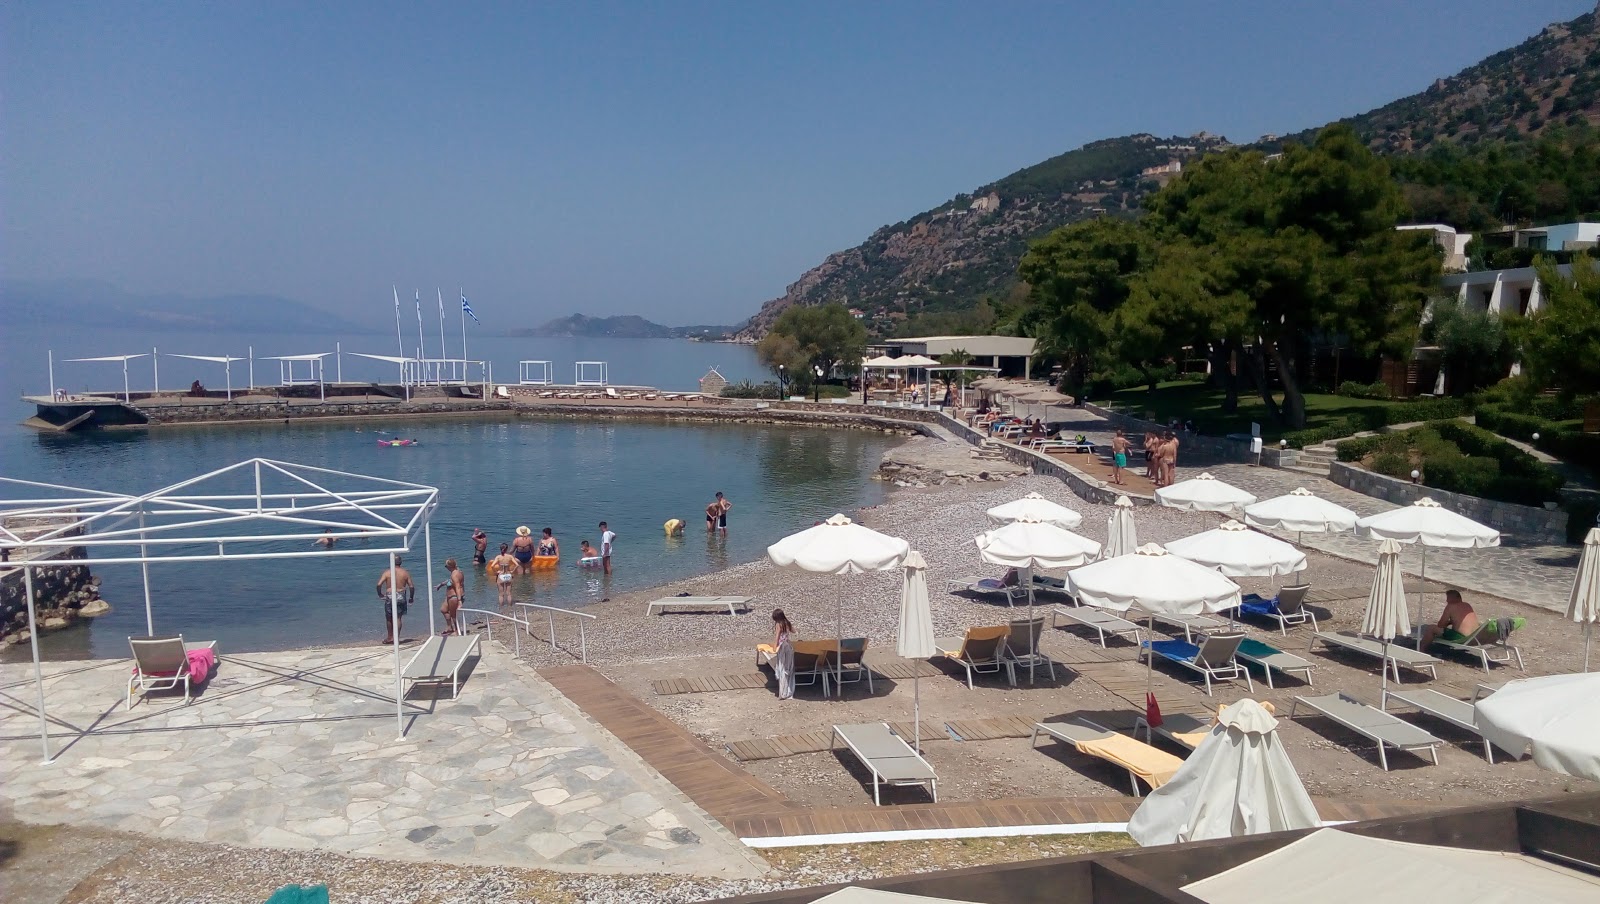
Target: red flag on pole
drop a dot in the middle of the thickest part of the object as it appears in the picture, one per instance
(1152, 710)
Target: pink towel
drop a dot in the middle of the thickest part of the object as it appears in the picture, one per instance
(200, 663)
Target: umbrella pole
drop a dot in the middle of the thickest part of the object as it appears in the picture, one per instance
(1150, 657)
(1383, 666)
(838, 649)
(1588, 627)
(916, 707)
(1033, 651)
(1422, 591)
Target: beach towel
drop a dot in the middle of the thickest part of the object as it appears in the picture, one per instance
(1156, 767)
(200, 664)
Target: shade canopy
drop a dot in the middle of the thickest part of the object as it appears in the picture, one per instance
(1334, 867)
(108, 358)
(1428, 523)
(1036, 544)
(1154, 582)
(214, 359)
(1301, 511)
(1204, 494)
(1583, 606)
(1239, 781)
(839, 546)
(1122, 538)
(880, 361)
(915, 639)
(1387, 617)
(1034, 507)
(316, 357)
(1239, 552)
(915, 361)
(1557, 717)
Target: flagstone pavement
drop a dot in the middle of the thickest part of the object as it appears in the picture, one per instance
(300, 750)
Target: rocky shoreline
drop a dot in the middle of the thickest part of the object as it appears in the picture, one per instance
(63, 595)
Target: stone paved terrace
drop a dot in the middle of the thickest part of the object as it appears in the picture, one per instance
(299, 750)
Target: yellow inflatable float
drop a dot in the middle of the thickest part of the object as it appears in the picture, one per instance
(541, 562)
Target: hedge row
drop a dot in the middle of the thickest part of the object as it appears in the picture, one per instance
(1459, 458)
(1378, 417)
(1571, 446)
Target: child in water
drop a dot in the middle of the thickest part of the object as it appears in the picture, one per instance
(589, 556)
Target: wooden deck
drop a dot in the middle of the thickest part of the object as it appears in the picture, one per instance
(750, 808)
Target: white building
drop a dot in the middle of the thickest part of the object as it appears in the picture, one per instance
(997, 350)
(1454, 244)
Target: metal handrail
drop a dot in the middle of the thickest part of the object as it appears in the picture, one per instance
(583, 637)
(488, 626)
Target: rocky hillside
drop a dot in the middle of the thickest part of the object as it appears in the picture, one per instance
(945, 260)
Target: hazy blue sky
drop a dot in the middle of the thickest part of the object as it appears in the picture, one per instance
(683, 161)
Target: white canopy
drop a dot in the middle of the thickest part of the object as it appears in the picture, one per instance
(1154, 582)
(317, 357)
(1239, 781)
(1036, 544)
(1239, 552)
(1122, 538)
(1034, 507)
(1429, 523)
(914, 361)
(915, 637)
(1333, 867)
(839, 546)
(214, 359)
(881, 361)
(108, 358)
(1204, 494)
(1583, 606)
(1557, 716)
(1301, 511)
(387, 359)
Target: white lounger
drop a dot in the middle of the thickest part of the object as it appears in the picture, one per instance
(887, 756)
(1396, 657)
(1189, 623)
(1098, 619)
(1270, 657)
(731, 603)
(439, 660)
(1373, 724)
(162, 663)
(1443, 707)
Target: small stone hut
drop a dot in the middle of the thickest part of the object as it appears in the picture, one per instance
(713, 383)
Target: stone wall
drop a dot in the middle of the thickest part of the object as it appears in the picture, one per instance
(62, 593)
(283, 410)
(1541, 525)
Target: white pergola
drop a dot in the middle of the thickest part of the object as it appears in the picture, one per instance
(535, 373)
(127, 395)
(256, 509)
(590, 373)
(225, 360)
(314, 371)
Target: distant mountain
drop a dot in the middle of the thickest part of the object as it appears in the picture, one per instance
(931, 271)
(67, 302)
(630, 326)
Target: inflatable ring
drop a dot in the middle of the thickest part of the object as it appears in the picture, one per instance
(589, 562)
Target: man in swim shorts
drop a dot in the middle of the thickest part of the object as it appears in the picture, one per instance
(455, 590)
(480, 546)
(607, 538)
(395, 589)
(1119, 455)
(717, 513)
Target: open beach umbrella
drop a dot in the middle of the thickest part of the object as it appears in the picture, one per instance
(839, 546)
(1157, 584)
(1301, 511)
(1034, 507)
(1028, 544)
(1557, 717)
(1430, 524)
(1584, 605)
(1121, 536)
(915, 640)
(1204, 494)
(1239, 552)
(1238, 781)
(1386, 617)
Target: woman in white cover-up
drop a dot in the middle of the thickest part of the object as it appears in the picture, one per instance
(783, 663)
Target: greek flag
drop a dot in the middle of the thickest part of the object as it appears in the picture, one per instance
(466, 308)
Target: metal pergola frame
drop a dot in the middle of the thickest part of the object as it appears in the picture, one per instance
(165, 526)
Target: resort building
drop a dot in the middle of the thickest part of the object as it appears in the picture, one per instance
(1011, 354)
(1452, 243)
(1560, 237)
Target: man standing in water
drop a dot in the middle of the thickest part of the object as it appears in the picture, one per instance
(607, 538)
(455, 590)
(717, 513)
(396, 598)
(480, 546)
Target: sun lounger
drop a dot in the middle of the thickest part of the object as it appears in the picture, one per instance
(1475, 644)
(500, 392)
(809, 656)
(887, 756)
(162, 663)
(1213, 658)
(1373, 724)
(850, 666)
(732, 603)
(1288, 607)
(985, 587)
(1043, 583)
(1443, 707)
(1397, 655)
(1098, 619)
(1269, 657)
(982, 651)
(1024, 637)
(1189, 623)
(1179, 728)
(439, 660)
(1155, 766)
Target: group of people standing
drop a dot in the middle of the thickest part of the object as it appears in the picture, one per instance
(1160, 456)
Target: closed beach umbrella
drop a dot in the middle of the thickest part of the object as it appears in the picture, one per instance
(1557, 717)
(1301, 511)
(915, 640)
(1239, 781)
(1386, 617)
(1121, 536)
(839, 546)
(1584, 606)
(1430, 524)
(1028, 544)
(1239, 552)
(1034, 507)
(1204, 494)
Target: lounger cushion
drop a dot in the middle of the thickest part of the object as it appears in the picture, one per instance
(1155, 766)
(1174, 649)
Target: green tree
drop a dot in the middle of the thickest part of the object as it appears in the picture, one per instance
(1560, 342)
(814, 336)
(1474, 348)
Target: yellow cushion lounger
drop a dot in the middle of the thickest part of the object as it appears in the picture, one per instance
(1156, 767)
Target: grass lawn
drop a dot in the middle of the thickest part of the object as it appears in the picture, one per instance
(1203, 405)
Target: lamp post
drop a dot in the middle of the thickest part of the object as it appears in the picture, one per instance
(816, 387)
(781, 394)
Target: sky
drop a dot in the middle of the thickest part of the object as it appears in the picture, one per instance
(683, 161)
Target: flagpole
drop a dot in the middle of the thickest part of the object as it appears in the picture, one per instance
(422, 345)
(463, 293)
(440, 292)
(397, 340)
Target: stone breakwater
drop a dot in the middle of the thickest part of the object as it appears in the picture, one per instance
(292, 410)
(63, 594)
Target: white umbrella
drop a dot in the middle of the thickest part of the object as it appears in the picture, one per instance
(915, 640)
(1155, 582)
(1034, 507)
(1121, 536)
(1430, 524)
(1239, 552)
(1204, 494)
(1029, 544)
(839, 546)
(1584, 605)
(1301, 511)
(1557, 716)
(1239, 781)
(1386, 617)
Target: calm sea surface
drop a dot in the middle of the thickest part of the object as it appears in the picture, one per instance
(496, 474)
